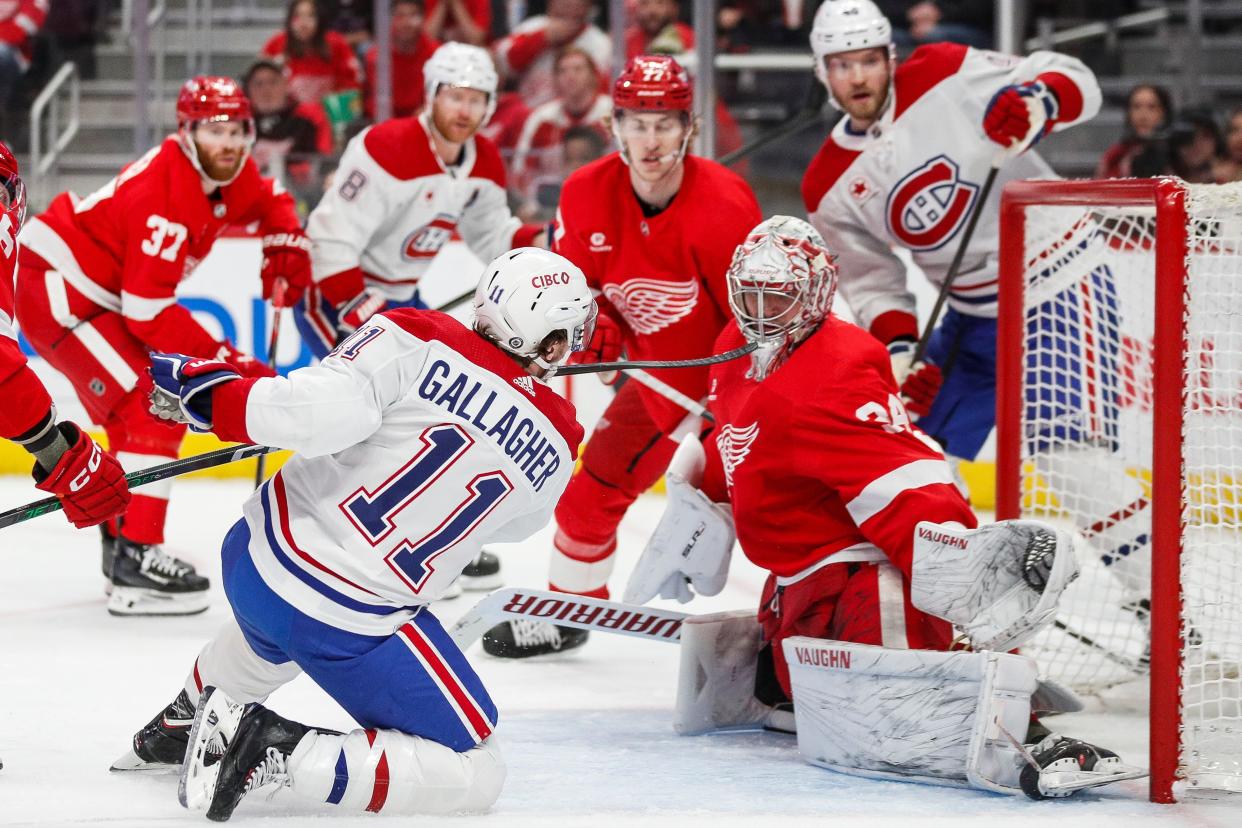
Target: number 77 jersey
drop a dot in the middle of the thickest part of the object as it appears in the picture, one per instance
(417, 441)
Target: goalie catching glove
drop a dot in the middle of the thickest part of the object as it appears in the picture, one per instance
(693, 542)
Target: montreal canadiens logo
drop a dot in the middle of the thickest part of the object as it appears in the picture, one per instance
(650, 305)
(734, 445)
(426, 241)
(929, 205)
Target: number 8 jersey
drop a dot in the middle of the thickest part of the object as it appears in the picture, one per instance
(416, 442)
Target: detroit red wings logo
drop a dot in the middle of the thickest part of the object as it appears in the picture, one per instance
(734, 443)
(927, 207)
(651, 305)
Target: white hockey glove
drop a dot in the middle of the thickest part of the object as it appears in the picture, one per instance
(901, 354)
(1000, 583)
(693, 542)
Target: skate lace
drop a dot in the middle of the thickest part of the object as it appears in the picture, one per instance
(271, 770)
(159, 561)
(528, 633)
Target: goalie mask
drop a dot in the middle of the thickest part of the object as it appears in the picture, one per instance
(529, 293)
(781, 283)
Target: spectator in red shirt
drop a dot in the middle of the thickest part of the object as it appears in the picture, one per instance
(20, 20)
(289, 136)
(528, 53)
(657, 30)
(505, 127)
(1149, 110)
(578, 102)
(320, 61)
(411, 47)
(466, 21)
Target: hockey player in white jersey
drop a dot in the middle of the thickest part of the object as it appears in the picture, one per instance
(417, 440)
(904, 169)
(402, 189)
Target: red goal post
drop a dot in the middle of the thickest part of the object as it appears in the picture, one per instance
(1080, 393)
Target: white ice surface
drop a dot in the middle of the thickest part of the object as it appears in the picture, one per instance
(587, 734)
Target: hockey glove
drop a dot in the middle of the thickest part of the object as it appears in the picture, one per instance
(900, 353)
(1019, 115)
(605, 346)
(244, 364)
(919, 390)
(88, 480)
(183, 386)
(353, 314)
(286, 256)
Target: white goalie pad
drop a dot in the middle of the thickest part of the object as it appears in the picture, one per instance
(716, 679)
(914, 715)
(693, 542)
(999, 583)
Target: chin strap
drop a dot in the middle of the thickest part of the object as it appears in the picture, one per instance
(188, 146)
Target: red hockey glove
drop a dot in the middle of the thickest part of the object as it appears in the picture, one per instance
(286, 256)
(352, 315)
(245, 364)
(919, 390)
(1019, 115)
(605, 346)
(89, 482)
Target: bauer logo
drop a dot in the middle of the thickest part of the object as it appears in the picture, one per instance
(929, 205)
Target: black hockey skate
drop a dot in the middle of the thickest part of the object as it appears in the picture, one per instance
(147, 581)
(234, 749)
(160, 746)
(523, 638)
(1069, 765)
(482, 574)
(107, 548)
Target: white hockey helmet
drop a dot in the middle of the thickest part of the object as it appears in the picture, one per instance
(781, 283)
(846, 25)
(528, 293)
(460, 64)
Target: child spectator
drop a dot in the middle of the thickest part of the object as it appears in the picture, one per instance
(466, 21)
(1149, 109)
(319, 60)
(527, 54)
(411, 48)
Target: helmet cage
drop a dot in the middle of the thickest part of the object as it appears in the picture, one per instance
(14, 190)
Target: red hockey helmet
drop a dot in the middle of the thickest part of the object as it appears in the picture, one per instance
(13, 188)
(212, 98)
(653, 83)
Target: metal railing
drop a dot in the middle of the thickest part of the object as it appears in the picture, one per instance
(1050, 38)
(44, 159)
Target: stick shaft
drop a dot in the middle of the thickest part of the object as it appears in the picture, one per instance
(669, 392)
(278, 310)
(604, 367)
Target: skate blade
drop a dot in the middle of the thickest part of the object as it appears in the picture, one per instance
(138, 601)
(215, 724)
(484, 583)
(130, 763)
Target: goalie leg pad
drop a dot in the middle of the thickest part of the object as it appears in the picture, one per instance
(716, 679)
(391, 772)
(1000, 582)
(915, 715)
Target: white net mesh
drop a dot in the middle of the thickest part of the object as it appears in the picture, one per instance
(1088, 435)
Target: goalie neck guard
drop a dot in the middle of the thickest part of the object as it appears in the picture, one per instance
(781, 284)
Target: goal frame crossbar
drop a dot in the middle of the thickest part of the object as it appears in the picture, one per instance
(1168, 197)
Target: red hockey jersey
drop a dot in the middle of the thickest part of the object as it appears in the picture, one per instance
(663, 277)
(820, 460)
(25, 401)
(129, 244)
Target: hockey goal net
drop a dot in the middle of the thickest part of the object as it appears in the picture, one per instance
(1120, 412)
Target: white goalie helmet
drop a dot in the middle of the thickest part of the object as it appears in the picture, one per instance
(528, 293)
(460, 64)
(846, 25)
(781, 284)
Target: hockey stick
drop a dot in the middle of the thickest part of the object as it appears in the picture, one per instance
(567, 610)
(604, 367)
(454, 302)
(142, 477)
(670, 393)
(920, 350)
(278, 309)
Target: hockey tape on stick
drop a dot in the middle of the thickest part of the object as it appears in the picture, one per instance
(278, 310)
(670, 393)
(920, 350)
(567, 610)
(142, 477)
(604, 367)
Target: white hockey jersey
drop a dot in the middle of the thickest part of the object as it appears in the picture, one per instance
(394, 204)
(416, 442)
(912, 179)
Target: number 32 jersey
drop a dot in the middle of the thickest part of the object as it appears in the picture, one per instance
(417, 441)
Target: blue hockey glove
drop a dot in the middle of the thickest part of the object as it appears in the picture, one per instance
(183, 386)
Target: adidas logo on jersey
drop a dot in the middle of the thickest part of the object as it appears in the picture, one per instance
(527, 384)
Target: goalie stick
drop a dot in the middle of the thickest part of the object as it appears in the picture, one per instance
(567, 610)
(142, 477)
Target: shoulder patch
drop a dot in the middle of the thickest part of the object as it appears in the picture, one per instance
(487, 162)
(401, 148)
